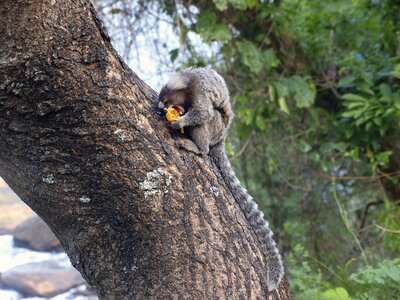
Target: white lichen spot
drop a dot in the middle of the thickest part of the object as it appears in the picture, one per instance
(156, 182)
(168, 181)
(120, 134)
(48, 179)
(134, 268)
(53, 2)
(84, 199)
(215, 191)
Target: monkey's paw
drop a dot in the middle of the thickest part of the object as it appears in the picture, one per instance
(176, 125)
(188, 145)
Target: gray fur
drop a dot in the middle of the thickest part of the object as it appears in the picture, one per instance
(206, 122)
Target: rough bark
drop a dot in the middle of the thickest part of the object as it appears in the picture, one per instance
(81, 145)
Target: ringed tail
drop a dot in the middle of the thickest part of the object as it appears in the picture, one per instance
(255, 217)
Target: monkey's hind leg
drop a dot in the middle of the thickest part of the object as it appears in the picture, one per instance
(188, 145)
(199, 141)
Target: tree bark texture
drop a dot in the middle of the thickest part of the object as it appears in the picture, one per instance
(81, 145)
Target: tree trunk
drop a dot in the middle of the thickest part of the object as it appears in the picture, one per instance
(81, 145)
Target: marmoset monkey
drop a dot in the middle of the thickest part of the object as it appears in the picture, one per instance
(202, 96)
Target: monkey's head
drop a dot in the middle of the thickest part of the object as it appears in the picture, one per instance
(169, 97)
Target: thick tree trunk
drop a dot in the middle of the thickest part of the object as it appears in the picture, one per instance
(81, 145)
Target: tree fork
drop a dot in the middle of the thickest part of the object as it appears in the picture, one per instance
(81, 145)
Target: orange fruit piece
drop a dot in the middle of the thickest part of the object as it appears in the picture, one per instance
(172, 114)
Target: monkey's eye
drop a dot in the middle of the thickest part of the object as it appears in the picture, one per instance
(167, 103)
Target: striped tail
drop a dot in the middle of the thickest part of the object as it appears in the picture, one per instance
(253, 215)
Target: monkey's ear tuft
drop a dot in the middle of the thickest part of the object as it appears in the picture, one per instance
(178, 82)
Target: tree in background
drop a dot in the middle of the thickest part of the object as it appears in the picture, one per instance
(316, 90)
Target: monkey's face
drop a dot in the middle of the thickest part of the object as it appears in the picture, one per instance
(168, 98)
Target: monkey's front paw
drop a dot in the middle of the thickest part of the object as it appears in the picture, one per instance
(176, 125)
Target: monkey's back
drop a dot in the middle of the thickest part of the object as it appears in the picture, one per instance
(207, 85)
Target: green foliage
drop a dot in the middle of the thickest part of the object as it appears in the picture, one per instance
(211, 30)
(396, 71)
(238, 4)
(379, 282)
(307, 281)
(336, 294)
(298, 88)
(255, 59)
